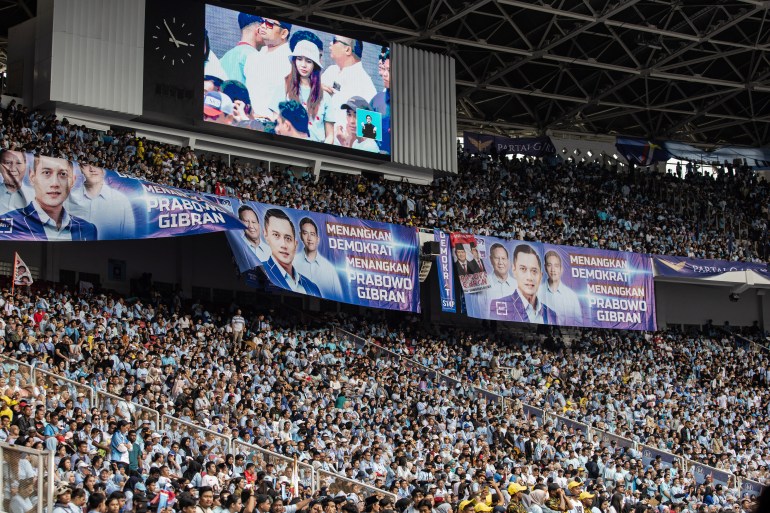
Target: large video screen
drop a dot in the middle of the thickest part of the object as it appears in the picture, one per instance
(271, 76)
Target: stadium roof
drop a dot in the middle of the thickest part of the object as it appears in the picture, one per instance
(686, 70)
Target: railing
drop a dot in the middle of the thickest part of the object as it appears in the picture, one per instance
(109, 403)
(700, 472)
(568, 424)
(335, 483)
(667, 459)
(26, 472)
(221, 445)
(751, 488)
(606, 438)
(177, 429)
(19, 375)
(283, 465)
(58, 388)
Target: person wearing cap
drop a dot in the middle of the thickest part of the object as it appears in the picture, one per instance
(347, 77)
(218, 108)
(251, 42)
(266, 70)
(516, 490)
(62, 495)
(346, 134)
(292, 120)
(586, 500)
(303, 84)
(381, 101)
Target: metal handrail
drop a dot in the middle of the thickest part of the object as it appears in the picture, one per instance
(58, 379)
(289, 461)
(145, 409)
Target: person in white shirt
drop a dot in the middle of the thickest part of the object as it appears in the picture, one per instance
(21, 500)
(266, 70)
(238, 323)
(556, 295)
(12, 169)
(100, 204)
(347, 77)
(310, 263)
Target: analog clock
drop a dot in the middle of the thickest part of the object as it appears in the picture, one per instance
(172, 41)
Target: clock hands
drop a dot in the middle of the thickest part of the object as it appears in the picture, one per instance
(178, 43)
(172, 38)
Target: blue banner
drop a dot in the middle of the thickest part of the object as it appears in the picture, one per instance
(488, 144)
(701, 472)
(650, 454)
(558, 285)
(751, 488)
(445, 276)
(641, 151)
(646, 152)
(50, 199)
(683, 267)
(342, 259)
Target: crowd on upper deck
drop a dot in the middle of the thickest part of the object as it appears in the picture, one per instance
(593, 204)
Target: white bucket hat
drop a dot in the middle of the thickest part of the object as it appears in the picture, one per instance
(308, 50)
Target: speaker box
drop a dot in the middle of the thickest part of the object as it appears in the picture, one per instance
(431, 248)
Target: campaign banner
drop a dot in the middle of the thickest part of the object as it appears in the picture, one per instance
(342, 259)
(488, 144)
(751, 488)
(650, 454)
(683, 267)
(558, 285)
(701, 472)
(445, 277)
(51, 199)
(467, 262)
(565, 424)
(645, 152)
(642, 152)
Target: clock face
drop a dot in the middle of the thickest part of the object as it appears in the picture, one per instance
(172, 41)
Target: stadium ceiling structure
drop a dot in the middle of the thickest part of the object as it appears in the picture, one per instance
(695, 71)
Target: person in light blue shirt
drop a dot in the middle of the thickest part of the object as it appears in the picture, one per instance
(311, 264)
(250, 43)
(557, 296)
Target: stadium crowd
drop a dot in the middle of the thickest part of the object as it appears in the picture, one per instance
(302, 391)
(549, 200)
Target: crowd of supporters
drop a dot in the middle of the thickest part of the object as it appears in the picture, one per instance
(304, 391)
(550, 200)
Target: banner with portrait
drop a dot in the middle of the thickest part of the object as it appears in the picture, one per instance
(341, 259)
(558, 285)
(51, 199)
(468, 266)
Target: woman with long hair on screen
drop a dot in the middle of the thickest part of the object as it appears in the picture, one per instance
(303, 84)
